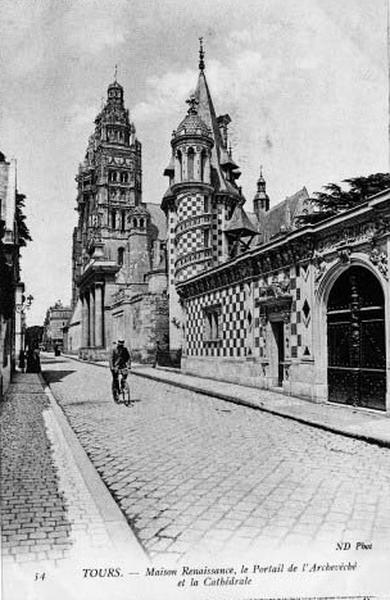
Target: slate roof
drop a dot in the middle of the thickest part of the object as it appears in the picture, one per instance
(205, 109)
(193, 124)
(281, 218)
(240, 222)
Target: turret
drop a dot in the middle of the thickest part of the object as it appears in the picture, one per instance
(261, 199)
(191, 145)
(201, 196)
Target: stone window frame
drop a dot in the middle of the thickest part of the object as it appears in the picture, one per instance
(212, 323)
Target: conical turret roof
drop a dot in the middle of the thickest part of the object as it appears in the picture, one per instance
(193, 124)
(240, 223)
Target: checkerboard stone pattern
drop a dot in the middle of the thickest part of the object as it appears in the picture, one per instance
(172, 220)
(190, 241)
(233, 323)
(219, 223)
(234, 320)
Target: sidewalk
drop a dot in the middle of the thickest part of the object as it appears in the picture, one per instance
(362, 424)
(54, 506)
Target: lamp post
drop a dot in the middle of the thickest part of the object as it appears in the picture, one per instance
(21, 307)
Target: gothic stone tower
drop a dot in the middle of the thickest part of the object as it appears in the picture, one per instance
(112, 221)
(109, 185)
(201, 196)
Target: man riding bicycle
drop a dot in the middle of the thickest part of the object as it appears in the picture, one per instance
(119, 364)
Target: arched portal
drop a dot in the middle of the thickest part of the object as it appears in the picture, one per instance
(356, 340)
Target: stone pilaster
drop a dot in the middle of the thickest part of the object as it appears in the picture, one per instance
(91, 318)
(99, 312)
(84, 321)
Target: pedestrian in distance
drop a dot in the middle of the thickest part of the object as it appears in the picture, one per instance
(37, 359)
(33, 360)
(22, 360)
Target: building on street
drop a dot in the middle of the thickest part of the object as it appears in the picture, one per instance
(119, 265)
(13, 235)
(34, 336)
(56, 319)
(257, 297)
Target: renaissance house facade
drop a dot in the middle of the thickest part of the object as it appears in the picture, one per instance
(259, 300)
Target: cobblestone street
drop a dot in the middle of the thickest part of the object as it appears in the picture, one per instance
(194, 474)
(47, 511)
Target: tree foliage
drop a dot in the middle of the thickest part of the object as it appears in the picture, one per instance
(22, 230)
(334, 199)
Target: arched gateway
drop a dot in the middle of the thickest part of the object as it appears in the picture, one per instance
(356, 340)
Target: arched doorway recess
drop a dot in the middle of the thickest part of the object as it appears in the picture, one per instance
(356, 340)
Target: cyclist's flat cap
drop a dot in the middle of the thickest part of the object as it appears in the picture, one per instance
(121, 341)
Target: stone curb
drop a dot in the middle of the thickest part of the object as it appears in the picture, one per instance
(118, 529)
(369, 439)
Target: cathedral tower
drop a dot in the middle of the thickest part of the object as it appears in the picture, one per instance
(114, 238)
(201, 196)
(109, 181)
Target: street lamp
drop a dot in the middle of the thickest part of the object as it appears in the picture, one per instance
(25, 304)
(20, 322)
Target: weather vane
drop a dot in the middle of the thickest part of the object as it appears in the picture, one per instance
(115, 72)
(192, 102)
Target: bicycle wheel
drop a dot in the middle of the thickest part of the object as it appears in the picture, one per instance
(115, 393)
(126, 393)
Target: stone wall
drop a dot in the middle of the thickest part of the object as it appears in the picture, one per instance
(142, 321)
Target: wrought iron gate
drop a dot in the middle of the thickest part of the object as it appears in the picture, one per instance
(356, 340)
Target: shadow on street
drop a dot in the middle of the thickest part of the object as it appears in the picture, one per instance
(55, 376)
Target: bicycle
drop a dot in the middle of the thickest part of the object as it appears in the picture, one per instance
(121, 388)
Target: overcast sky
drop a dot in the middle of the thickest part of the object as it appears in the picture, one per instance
(305, 82)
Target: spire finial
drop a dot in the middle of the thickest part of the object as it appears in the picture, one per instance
(261, 170)
(201, 55)
(115, 73)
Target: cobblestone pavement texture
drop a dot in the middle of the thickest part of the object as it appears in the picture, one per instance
(195, 474)
(47, 513)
